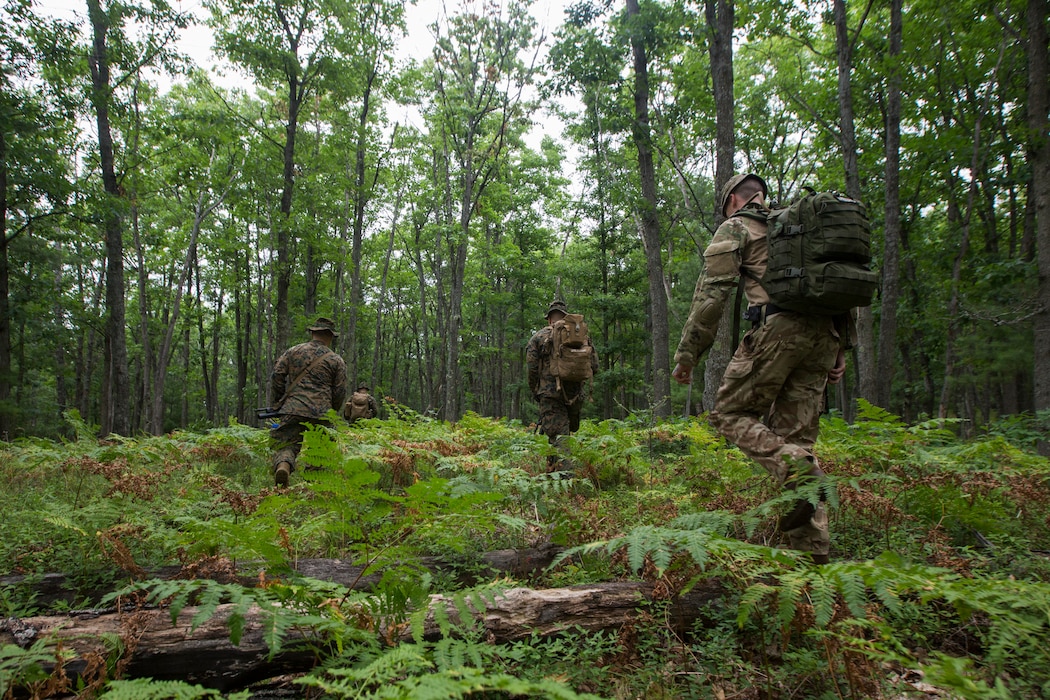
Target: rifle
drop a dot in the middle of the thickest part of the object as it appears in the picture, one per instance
(265, 413)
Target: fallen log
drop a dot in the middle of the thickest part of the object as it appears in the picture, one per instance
(156, 648)
(48, 589)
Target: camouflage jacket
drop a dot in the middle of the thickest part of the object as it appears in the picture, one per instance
(738, 247)
(321, 389)
(538, 359)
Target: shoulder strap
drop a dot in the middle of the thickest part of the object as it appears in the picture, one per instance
(298, 377)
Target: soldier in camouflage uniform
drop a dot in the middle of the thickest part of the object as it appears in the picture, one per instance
(559, 409)
(308, 380)
(771, 395)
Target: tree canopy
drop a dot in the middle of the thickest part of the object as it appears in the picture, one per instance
(166, 234)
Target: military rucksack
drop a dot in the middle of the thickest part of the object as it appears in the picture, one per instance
(571, 350)
(357, 407)
(819, 255)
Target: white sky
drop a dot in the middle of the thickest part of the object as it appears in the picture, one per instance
(196, 41)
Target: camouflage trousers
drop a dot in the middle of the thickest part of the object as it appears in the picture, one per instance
(770, 400)
(558, 418)
(286, 440)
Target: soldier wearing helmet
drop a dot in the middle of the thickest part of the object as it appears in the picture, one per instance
(560, 402)
(771, 394)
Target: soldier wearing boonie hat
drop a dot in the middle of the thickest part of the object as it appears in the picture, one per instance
(308, 380)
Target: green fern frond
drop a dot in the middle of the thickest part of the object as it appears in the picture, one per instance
(750, 600)
(149, 689)
(789, 593)
(870, 413)
(822, 595)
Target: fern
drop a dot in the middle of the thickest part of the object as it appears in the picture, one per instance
(149, 689)
(22, 668)
(408, 672)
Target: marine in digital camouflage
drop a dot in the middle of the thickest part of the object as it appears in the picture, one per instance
(307, 381)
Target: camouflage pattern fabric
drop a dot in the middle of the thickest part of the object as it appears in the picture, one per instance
(542, 383)
(558, 418)
(321, 389)
(373, 409)
(770, 398)
(739, 243)
(286, 440)
(771, 395)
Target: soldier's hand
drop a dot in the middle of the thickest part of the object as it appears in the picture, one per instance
(682, 374)
(836, 373)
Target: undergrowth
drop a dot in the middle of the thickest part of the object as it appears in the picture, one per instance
(939, 575)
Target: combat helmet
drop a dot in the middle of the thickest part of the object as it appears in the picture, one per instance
(735, 182)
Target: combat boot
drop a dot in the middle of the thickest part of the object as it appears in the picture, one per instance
(802, 471)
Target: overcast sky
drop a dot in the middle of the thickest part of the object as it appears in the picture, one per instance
(196, 41)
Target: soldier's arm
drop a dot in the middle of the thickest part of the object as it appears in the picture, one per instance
(532, 359)
(716, 283)
(277, 380)
(339, 385)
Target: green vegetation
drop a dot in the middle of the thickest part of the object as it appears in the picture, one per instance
(938, 569)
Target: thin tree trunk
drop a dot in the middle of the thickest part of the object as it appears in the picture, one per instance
(116, 384)
(6, 417)
(1039, 161)
(720, 21)
(864, 352)
(650, 224)
(381, 300)
(890, 295)
(361, 199)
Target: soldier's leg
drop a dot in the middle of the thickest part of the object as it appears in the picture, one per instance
(554, 422)
(752, 382)
(796, 417)
(286, 440)
(752, 389)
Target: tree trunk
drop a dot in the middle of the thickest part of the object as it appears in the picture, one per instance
(1039, 160)
(116, 384)
(890, 295)
(720, 21)
(848, 142)
(285, 235)
(360, 201)
(158, 649)
(650, 224)
(6, 415)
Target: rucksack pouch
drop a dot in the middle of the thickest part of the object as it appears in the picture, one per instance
(843, 231)
(826, 289)
(574, 364)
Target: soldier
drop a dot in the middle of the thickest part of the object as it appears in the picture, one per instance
(308, 380)
(360, 405)
(560, 402)
(770, 398)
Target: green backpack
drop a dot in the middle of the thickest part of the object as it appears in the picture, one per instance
(819, 255)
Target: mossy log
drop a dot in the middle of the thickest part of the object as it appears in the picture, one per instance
(154, 647)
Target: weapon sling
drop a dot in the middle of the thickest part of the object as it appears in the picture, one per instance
(295, 382)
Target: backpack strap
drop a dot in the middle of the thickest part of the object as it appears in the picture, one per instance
(298, 377)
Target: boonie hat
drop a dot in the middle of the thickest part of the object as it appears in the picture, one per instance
(324, 324)
(557, 306)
